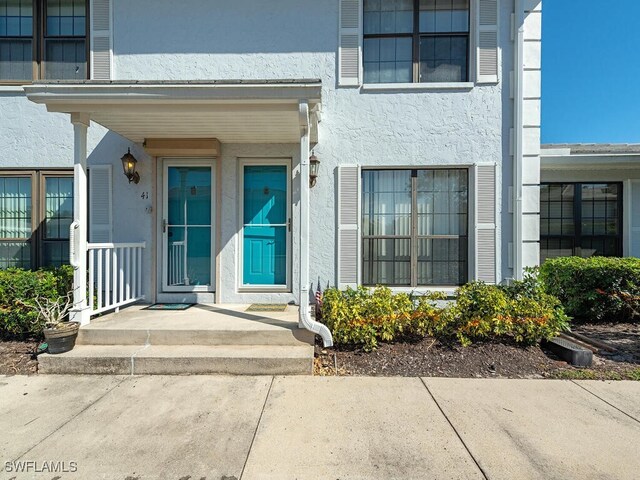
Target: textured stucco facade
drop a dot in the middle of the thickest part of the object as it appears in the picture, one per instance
(285, 39)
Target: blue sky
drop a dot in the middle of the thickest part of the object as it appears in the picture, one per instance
(591, 71)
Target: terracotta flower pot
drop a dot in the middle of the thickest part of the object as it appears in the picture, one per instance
(62, 338)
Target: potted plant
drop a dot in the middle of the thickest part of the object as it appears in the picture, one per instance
(59, 333)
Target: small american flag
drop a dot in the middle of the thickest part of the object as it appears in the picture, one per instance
(318, 303)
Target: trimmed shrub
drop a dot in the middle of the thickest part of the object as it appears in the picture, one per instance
(18, 287)
(595, 289)
(522, 312)
(364, 317)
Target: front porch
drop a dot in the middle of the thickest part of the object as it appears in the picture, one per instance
(204, 339)
(225, 133)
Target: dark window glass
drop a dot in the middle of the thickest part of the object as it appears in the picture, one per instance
(65, 53)
(415, 227)
(581, 219)
(48, 244)
(60, 35)
(16, 42)
(15, 222)
(58, 216)
(407, 41)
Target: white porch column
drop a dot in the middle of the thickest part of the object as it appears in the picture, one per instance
(305, 320)
(78, 242)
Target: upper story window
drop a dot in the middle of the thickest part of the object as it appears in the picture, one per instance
(407, 41)
(43, 39)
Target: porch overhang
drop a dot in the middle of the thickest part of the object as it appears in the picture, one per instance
(261, 111)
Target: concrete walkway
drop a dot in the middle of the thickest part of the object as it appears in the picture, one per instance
(202, 427)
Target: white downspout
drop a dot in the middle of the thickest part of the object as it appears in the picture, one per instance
(518, 104)
(305, 317)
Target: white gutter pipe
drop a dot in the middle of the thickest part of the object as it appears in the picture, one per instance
(305, 319)
(518, 104)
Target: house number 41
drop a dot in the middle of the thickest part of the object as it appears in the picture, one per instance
(145, 195)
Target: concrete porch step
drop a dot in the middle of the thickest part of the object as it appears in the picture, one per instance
(199, 325)
(286, 336)
(181, 360)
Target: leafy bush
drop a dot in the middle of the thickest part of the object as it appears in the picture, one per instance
(595, 289)
(19, 287)
(363, 317)
(523, 312)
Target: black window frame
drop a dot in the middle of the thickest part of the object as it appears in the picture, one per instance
(415, 237)
(575, 241)
(417, 37)
(39, 37)
(38, 237)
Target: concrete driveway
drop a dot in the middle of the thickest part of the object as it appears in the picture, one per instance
(201, 427)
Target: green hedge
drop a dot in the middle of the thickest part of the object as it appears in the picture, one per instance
(523, 313)
(596, 289)
(16, 286)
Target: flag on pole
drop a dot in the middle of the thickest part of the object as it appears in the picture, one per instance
(318, 302)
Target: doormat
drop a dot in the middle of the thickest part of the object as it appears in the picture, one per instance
(169, 306)
(267, 307)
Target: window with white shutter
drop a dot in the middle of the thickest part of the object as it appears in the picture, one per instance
(350, 42)
(487, 41)
(100, 204)
(485, 231)
(348, 226)
(101, 40)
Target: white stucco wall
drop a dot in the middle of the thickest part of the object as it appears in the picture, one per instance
(245, 39)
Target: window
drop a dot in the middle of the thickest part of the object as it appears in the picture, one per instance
(581, 219)
(415, 225)
(409, 41)
(36, 211)
(43, 39)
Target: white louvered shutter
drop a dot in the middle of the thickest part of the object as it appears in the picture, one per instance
(487, 41)
(350, 42)
(101, 40)
(348, 226)
(100, 204)
(634, 247)
(485, 228)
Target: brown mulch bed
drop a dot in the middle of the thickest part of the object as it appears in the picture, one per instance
(430, 357)
(18, 357)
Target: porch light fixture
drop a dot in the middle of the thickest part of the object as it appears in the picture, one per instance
(129, 166)
(314, 166)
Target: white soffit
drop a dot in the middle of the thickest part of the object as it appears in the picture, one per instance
(231, 112)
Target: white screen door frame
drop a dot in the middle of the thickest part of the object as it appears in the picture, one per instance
(186, 162)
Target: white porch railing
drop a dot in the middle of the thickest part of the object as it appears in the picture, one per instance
(177, 263)
(115, 275)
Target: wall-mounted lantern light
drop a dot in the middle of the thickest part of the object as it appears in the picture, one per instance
(129, 166)
(314, 166)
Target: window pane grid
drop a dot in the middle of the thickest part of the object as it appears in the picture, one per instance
(582, 219)
(425, 41)
(425, 247)
(60, 35)
(66, 18)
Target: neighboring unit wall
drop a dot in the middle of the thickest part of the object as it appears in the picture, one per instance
(601, 163)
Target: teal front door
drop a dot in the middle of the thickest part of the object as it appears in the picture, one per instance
(265, 225)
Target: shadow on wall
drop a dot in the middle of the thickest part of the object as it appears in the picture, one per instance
(132, 217)
(223, 27)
